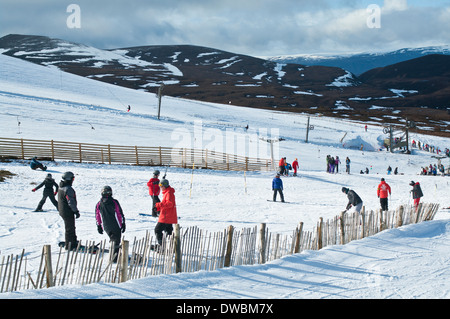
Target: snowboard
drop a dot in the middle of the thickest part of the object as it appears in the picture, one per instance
(270, 200)
(93, 249)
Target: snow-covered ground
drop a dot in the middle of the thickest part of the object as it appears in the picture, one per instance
(410, 262)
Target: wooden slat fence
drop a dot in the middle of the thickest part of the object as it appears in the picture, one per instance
(193, 249)
(134, 155)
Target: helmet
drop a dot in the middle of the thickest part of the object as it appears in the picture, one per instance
(164, 182)
(106, 190)
(68, 176)
(156, 173)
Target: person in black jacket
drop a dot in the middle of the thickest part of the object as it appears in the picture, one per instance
(416, 192)
(67, 207)
(353, 199)
(49, 183)
(109, 216)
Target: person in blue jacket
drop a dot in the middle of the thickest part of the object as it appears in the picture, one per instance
(277, 187)
(35, 164)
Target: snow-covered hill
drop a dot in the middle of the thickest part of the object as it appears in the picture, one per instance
(410, 262)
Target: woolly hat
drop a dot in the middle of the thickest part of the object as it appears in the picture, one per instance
(345, 190)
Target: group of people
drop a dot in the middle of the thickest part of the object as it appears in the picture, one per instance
(383, 193)
(284, 167)
(108, 212)
(333, 164)
(435, 170)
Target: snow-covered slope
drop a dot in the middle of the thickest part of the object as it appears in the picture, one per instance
(50, 104)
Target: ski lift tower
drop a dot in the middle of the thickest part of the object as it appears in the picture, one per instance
(272, 141)
(398, 138)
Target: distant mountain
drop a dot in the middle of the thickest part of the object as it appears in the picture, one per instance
(212, 75)
(362, 62)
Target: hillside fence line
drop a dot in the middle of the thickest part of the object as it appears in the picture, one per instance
(14, 148)
(192, 249)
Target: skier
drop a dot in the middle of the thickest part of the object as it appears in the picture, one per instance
(109, 216)
(277, 187)
(383, 191)
(347, 165)
(353, 199)
(35, 164)
(416, 192)
(167, 211)
(282, 165)
(154, 190)
(389, 170)
(67, 206)
(48, 182)
(337, 162)
(295, 166)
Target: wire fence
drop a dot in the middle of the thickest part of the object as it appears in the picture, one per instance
(192, 249)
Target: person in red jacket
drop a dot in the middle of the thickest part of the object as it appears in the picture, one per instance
(154, 190)
(282, 165)
(167, 211)
(295, 166)
(383, 191)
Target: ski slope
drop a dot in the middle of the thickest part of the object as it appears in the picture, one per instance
(411, 262)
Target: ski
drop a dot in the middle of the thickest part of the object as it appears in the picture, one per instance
(145, 214)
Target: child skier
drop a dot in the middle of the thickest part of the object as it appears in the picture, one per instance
(35, 164)
(416, 192)
(48, 182)
(277, 187)
(109, 216)
(154, 190)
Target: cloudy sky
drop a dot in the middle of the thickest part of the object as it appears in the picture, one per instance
(254, 27)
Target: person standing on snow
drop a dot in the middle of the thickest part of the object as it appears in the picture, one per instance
(167, 211)
(347, 165)
(154, 190)
(416, 192)
(353, 199)
(383, 191)
(295, 166)
(277, 187)
(282, 165)
(49, 183)
(109, 217)
(67, 207)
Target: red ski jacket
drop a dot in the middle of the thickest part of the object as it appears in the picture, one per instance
(153, 186)
(383, 190)
(167, 207)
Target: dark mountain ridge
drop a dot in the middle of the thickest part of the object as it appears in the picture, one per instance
(207, 74)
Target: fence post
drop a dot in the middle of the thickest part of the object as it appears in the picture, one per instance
(363, 222)
(79, 150)
(229, 247)
(298, 238)
(137, 155)
(177, 240)
(124, 261)
(400, 216)
(109, 154)
(342, 220)
(319, 234)
(262, 238)
(48, 265)
(22, 149)
(53, 150)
